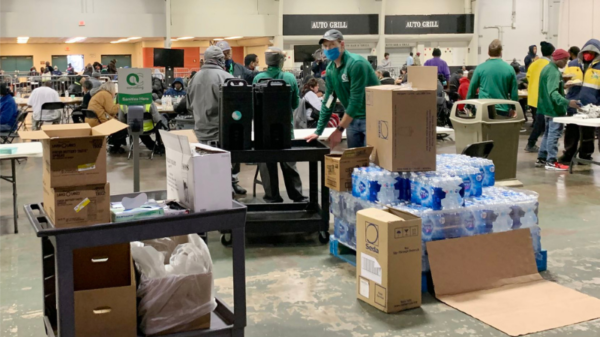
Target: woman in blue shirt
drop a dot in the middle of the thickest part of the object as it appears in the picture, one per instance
(8, 109)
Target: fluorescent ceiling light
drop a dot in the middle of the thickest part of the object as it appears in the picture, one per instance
(134, 38)
(233, 37)
(123, 40)
(186, 38)
(173, 40)
(22, 39)
(218, 39)
(114, 41)
(75, 39)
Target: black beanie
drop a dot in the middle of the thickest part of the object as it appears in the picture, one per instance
(547, 48)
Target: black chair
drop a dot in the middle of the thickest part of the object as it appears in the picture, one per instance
(147, 117)
(479, 150)
(7, 137)
(90, 114)
(53, 106)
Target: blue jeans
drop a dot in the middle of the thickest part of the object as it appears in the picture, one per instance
(357, 133)
(549, 147)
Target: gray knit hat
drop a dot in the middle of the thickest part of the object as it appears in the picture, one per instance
(213, 52)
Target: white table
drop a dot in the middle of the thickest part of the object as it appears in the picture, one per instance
(591, 122)
(303, 133)
(24, 150)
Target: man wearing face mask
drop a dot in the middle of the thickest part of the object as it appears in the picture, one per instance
(347, 77)
(274, 58)
(202, 100)
(552, 103)
(586, 68)
(235, 69)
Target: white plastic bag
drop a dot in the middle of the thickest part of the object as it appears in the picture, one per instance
(174, 297)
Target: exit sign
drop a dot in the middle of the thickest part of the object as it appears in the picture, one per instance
(82, 23)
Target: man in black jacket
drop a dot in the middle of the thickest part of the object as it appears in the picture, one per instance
(235, 69)
(320, 64)
(86, 87)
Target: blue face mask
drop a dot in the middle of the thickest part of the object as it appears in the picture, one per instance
(332, 54)
(228, 63)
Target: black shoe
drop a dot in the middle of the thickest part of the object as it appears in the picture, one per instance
(239, 189)
(273, 201)
(532, 149)
(303, 199)
(540, 163)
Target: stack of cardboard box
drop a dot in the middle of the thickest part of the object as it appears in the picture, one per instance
(76, 194)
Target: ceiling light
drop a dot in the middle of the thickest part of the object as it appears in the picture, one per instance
(134, 38)
(75, 39)
(114, 41)
(123, 40)
(218, 39)
(186, 38)
(22, 39)
(233, 37)
(173, 40)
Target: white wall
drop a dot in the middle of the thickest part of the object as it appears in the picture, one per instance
(579, 22)
(222, 18)
(331, 6)
(515, 41)
(103, 18)
(414, 7)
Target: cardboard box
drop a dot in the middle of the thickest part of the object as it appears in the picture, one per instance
(74, 154)
(401, 123)
(200, 181)
(107, 311)
(102, 267)
(388, 259)
(494, 278)
(339, 167)
(77, 206)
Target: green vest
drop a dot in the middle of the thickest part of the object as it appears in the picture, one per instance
(148, 123)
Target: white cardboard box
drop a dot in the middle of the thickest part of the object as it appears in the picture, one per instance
(201, 182)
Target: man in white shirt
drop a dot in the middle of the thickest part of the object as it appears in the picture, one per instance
(410, 61)
(41, 95)
(386, 62)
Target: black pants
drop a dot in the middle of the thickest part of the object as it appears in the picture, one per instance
(270, 181)
(539, 125)
(572, 135)
(118, 139)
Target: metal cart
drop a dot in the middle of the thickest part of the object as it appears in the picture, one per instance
(297, 217)
(57, 260)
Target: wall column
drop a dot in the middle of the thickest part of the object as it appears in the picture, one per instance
(168, 24)
(381, 41)
(278, 39)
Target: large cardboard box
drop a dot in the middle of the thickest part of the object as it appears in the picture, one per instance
(388, 259)
(198, 175)
(339, 167)
(74, 154)
(77, 206)
(102, 267)
(494, 278)
(401, 123)
(107, 311)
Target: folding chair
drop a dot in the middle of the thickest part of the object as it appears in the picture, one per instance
(147, 117)
(53, 106)
(7, 137)
(479, 150)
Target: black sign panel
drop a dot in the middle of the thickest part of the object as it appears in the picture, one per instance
(350, 24)
(430, 24)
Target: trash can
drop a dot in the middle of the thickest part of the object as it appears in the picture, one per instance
(490, 119)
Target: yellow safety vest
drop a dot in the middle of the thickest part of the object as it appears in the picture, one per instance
(148, 123)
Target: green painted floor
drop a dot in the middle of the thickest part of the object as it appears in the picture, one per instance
(294, 287)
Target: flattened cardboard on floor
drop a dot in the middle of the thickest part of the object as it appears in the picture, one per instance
(388, 259)
(401, 123)
(339, 167)
(74, 154)
(494, 278)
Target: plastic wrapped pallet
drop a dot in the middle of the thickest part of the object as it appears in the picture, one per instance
(179, 296)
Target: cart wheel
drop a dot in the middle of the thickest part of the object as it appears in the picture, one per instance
(323, 237)
(226, 239)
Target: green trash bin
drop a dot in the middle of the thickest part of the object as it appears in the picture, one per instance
(484, 119)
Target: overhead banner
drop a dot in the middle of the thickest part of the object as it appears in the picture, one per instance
(135, 86)
(350, 24)
(430, 24)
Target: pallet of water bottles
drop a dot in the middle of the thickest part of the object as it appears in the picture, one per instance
(458, 199)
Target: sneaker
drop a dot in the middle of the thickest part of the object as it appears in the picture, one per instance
(532, 149)
(523, 130)
(556, 166)
(540, 163)
(237, 189)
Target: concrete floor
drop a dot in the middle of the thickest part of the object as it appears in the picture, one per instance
(294, 287)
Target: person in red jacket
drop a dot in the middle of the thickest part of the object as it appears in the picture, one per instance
(463, 89)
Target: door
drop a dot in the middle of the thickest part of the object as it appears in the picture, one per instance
(13, 63)
(122, 60)
(60, 61)
(398, 56)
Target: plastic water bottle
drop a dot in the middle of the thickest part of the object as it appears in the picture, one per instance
(468, 223)
(415, 188)
(503, 220)
(336, 206)
(452, 188)
(489, 171)
(387, 190)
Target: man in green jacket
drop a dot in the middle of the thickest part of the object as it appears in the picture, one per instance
(495, 79)
(552, 103)
(275, 57)
(347, 77)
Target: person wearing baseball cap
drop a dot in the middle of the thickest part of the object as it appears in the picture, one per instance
(552, 103)
(235, 69)
(347, 77)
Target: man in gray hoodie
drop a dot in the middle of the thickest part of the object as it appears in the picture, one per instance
(203, 102)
